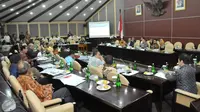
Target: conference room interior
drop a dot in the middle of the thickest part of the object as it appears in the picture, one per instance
(108, 55)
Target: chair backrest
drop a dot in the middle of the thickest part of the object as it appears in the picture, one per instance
(137, 43)
(6, 72)
(123, 79)
(72, 41)
(18, 89)
(96, 71)
(117, 42)
(167, 42)
(198, 87)
(34, 102)
(198, 48)
(178, 45)
(76, 66)
(7, 61)
(169, 48)
(4, 64)
(189, 46)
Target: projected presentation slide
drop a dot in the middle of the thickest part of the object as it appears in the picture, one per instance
(99, 29)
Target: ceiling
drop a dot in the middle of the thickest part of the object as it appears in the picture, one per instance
(48, 10)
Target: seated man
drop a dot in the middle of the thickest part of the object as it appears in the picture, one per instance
(96, 60)
(31, 53)
(14, 59)
(108, 65)
(185, 76)
(70, 58)
(44, 92)
(143, 44)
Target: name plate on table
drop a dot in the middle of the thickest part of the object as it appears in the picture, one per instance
(53, 71)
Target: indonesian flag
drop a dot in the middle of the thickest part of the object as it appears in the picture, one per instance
(120, 26)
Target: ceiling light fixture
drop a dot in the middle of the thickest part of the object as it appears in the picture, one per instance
(91, 8)
(76, 7)
(84, 14)
(50, 13)
(68, 14)
(100, 1)
(31, 13)
(17, 13)
(4, 5)
(43, 6)
(29, 0)
(12, 9)
(61, 6)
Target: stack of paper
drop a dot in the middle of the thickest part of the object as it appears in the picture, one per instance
(71, 79)
(45, 66)
(53, 71)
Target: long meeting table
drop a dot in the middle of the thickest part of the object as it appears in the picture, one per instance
(159, 86)
(123, 99)
(144, 57)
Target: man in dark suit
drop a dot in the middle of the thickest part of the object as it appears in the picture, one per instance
(31, 53)
(185, 76)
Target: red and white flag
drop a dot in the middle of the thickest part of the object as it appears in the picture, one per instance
(120, 26)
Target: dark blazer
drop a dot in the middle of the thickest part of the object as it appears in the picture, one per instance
(32, 54)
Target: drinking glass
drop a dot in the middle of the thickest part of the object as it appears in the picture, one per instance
(114, 78)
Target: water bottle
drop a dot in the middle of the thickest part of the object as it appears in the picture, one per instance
(118, 81)
(153, 69)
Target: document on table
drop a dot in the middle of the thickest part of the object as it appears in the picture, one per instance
(53, 71)
(42, 58)
(45, 66)
(161, 75)
(71, 79)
